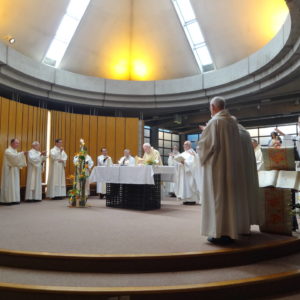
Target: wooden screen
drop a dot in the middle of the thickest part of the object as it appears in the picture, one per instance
(115, 134)
(25, 122)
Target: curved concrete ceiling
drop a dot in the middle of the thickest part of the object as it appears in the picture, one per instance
(112, 30)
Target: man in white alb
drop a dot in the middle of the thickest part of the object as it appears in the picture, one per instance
(220, 155)
(13, 161)
(106, 161)
(36, 160)
(56, 185)
(170, 186)
(186, 186)
(258, 155)
(127, 159)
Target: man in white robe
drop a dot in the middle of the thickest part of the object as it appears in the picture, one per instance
(258, 155)
(220, 156)
(251, 199)
(36, 160)
(105, 161)
(56, 185)
(186, 187)
(13, 161)
(127, 159)
(90, 163)
(170, 186)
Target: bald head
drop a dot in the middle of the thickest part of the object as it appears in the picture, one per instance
(147, 147)
(217, 104)
(187, 145)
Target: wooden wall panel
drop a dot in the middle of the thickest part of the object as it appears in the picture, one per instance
(132, 135)
(27, 123)
(120, 137)
(101, 134)
(111, 137)
(92, 144)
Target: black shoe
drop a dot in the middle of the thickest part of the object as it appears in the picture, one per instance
(189, 203)
(223, 240)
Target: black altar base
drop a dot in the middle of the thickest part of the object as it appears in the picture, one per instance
(134, 196)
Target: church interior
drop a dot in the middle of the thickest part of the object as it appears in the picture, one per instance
(116, 99)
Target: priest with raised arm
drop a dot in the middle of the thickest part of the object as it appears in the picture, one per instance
(36, 160)
(56, 185)
(13, 161)
(186, 186)
(222, 179)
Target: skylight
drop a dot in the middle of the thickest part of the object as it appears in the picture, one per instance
(194, 34)
(65, 32)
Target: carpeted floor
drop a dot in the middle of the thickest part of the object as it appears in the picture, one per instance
(52, 226)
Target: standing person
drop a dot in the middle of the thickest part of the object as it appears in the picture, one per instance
(127, 159)
(186, 188)
(220, 156)
(258, 155)
(275, 140)
(13, 161)
(170, 186)
(56, 185)
(36, 160)
(106, 161)
(151, 155)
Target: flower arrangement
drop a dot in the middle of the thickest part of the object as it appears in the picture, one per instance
(77, 196)
(150, 162)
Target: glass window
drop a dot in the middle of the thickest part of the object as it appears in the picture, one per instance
(160, 143)
(161, 135)
(161, 151)
(165, 160)
(288, 129)
(264, 141)
(266, 131)
(147, 140)
(167, 144)
(167, 151)
(175, 137)
(146, 132)
(253, 132)
(167, 136)
(193, 137)
(192, 30)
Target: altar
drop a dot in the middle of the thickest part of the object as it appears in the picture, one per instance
(135, 187)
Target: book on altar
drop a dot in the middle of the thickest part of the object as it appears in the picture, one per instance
(179, 158)
(267, 178)
(288, 180)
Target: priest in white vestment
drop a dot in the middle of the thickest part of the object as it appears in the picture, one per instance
(36, 159)
(251, 199)
(90, 163)
(151, 156)
(105, 161)
(127, 159)
(258, 155)
(220, 156)
(13, 161)
(56, 185)
(170, 186)
(186, 186)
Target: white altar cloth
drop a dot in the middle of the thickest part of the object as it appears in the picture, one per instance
(131, 174)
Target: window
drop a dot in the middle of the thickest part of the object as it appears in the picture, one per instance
(65, 32)
(147, 134)
(263, 134)
(193, 138)
(194, 34)
(166, 141)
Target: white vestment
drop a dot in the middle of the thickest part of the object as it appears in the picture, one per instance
(222, 179)
(170, 186)
(103, 161)
(186, 186)
(13, 161)
(90, 163)
(259, 158)
(56, 185)
(251, 199)
(34, 175)
(127, 161)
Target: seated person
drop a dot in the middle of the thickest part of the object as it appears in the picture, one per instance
(127, 159)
